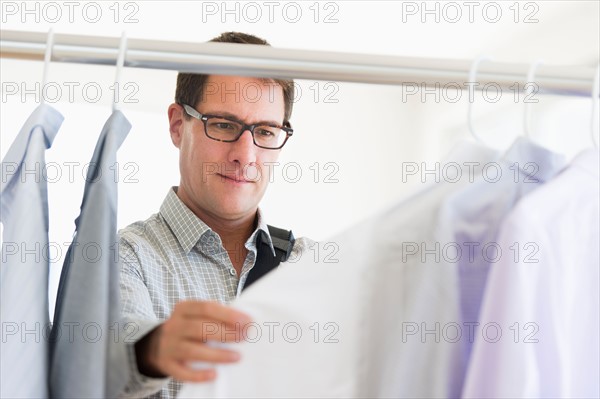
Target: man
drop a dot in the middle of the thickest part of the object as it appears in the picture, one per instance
(182, 265)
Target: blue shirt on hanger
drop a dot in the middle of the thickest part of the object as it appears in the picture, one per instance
(25, 258)
(88, 357)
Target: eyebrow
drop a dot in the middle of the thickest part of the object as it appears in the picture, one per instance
(232, 116)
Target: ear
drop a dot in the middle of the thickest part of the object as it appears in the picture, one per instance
(176, 120)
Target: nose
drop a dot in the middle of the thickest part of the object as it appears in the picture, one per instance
(243, 151)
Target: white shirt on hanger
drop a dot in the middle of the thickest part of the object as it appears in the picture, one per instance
(545, 298)
(470, 219)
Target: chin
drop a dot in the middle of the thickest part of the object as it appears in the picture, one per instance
(235, 209)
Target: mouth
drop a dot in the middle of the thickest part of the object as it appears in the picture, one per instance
(234, 179)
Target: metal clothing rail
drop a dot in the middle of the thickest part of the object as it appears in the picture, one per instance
(264, 61)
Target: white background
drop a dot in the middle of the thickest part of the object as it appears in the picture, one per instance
(360, 135)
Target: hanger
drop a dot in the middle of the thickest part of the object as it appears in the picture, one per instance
(472, 77)
(120, 63)
(595, 95)
(47, 59)
(528, 91)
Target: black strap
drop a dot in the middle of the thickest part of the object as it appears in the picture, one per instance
(283, 243)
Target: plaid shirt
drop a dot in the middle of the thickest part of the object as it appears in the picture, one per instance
(170, 257)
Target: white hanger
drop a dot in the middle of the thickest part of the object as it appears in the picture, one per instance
(47, 59)
(595, 95)
(472, 76)
(120, 63)
(528, 91)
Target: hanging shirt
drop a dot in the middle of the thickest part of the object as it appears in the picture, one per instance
(88, 358)
(362, 317)
(542, 302)
(25, 258)
(470, 218)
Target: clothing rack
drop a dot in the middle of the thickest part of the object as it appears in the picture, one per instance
(264, 61)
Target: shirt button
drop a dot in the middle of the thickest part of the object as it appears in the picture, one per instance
(232, 272)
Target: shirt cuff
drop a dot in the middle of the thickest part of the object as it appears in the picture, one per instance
(138, 384)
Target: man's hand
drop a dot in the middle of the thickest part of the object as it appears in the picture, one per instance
(168, 349)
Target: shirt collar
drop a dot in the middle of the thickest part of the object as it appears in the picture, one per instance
(186, 226)
(261, 228)
(189, 228)
(546, 163)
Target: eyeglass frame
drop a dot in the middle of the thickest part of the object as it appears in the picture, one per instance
(191, 111)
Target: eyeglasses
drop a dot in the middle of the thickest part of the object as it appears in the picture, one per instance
(220, 128)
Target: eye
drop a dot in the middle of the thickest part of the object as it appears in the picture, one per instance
(263, 131)
(223, 125)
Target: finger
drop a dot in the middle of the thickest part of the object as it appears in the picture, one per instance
(206, 330)
(213, 311)
(183, 372)
(190, 351)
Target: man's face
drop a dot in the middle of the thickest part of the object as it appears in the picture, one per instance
(222, 180)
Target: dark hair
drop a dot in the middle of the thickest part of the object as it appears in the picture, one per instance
(190, 86)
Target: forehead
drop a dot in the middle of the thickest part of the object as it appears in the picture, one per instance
(244, 94)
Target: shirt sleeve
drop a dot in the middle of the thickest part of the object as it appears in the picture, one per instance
(139, 319)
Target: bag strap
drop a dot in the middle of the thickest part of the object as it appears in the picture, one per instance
(283, 243)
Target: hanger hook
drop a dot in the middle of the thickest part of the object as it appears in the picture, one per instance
(120, 63)
(595, 95)
(472, 77)
(529, 86)
(47, 59)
